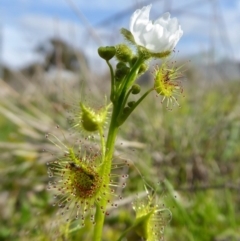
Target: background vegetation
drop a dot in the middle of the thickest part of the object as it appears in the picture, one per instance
(195, 149)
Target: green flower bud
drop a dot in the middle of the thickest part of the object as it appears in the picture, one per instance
(136, 89)
(107, 52)
(123, 116)
(120, 65)
(126, 110)
(123, 53)
(131, 103)
(134, 60)
(143, 68)
(121, 71)
(144, 53)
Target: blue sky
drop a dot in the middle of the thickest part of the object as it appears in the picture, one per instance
(26, 23)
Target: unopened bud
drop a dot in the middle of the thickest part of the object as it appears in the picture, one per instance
(134, 60)
(144, 53)
(136, 89)
(121, 71)
(126, 110)
(131, 103)
(107, 52)
(123, 53)
(143, 68)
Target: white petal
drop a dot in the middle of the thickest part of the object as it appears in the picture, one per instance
(164, 19)
(152, 38)
(161, 35)
(173, 40)
(173, 25)
(138, 22)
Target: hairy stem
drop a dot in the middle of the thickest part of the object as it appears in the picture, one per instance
(112, 82)
(102, 143)
(106, 169)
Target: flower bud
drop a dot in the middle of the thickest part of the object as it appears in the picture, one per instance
(134, 60)
(143, 68)
(120, 65)
(123, 53)
(121, 71)
(107, 52)
(126, 110)
(144, 53)
(131, 103)
(136, 89)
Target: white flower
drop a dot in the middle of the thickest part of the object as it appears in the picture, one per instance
(158, 36)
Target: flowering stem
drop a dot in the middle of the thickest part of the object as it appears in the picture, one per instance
(112, 81)
(125, 100)
(141, 99)
(102, 143)
(99, 217)
(131, 77)
(106, 169)
(135, 105)
(118, 99)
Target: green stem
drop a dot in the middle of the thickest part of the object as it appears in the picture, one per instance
(112, 82)
(118, 102)
(135, 105)
(99, 217)
(102, 143)
(142, 98)
(125, 100)
(130, 78)
(121, 95)
(106, 169)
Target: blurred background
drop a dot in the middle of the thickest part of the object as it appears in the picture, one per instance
(49, 62)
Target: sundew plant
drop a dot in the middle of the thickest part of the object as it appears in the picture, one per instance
(84, 179)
